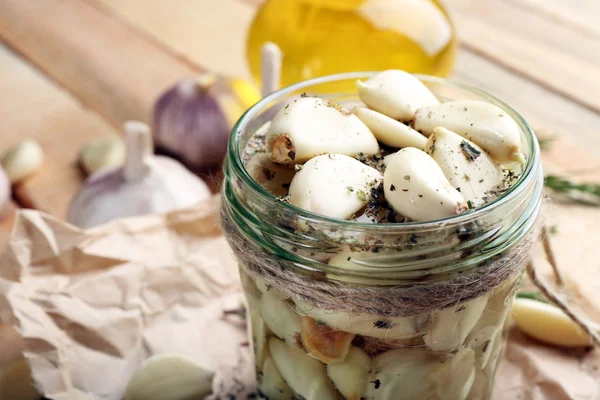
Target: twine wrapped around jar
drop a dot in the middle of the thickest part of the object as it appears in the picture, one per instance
(392, 301)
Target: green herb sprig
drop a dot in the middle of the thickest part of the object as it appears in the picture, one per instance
(584, 193)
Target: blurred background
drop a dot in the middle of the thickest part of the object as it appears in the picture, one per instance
(72, 72)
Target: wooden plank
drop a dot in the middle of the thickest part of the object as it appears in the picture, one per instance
(103, 62)
(561, 59)
(36, 108)
(206, 32)
(547, 112)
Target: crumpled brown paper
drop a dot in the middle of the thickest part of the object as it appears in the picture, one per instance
(93, 305)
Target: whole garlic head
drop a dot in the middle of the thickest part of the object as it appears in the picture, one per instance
(146, 184)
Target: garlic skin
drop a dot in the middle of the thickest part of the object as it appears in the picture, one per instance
(146, 184)
(310, 126)
(483, 123)
(333, 185)
(389, 131)
(104, 152)
(350, 376)
(452, 325)
(5, 191)
(275, 178)
(416, 187)
(548, 324)
(304, 374)
(466, 165)
(193, 118)
(395, 93)
(169, 377)
(22, 160)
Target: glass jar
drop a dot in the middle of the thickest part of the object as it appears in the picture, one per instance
(344, 309)
(323, 37)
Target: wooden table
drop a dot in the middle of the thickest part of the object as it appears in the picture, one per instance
(72, 70)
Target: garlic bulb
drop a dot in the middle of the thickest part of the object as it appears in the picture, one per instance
(193, 118)
(22, 160)
(395, 93)
(169, 377)
(146, 184)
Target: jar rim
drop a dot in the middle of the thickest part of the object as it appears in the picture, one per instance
(235, 160)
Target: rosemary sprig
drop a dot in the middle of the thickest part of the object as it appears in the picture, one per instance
(533, 296)
(584, 193)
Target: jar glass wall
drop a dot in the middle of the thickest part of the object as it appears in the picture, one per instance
(343, 309)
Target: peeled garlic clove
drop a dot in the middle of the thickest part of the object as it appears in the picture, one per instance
(333, 185)
(483, 123)
(324, 343)
(146, 184)
(416, 187)
(304, 374)
(481, 387)
(395, 93)
(311, 126)
(169, 377)
(403, 374)
(388, 328)
(467, 166)
(456, 379)
(350, 376)
(452, 325)
(548, 324)
(16, 382)
(280, 318)
(258, 328)
(389, 131)
(272, 176)
(271, 383)
(105, 152)
(22, 160)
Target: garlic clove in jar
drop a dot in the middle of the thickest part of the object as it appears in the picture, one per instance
(146, 184)
(381, 327)
(350, 376)
(402, 374)
(452, 325)
(275, 178)
(257, 327)
(389, 131)
(305, 375)
(456, 379)
(548, 323)
(311, 126)
(324, 343)
(22, 160)
(416, 187)
(481, 387)
(281, 318)
(483, 123)
(271, 383)
(169, 377)
(333, 185)
(104, 152)
(395, 93)
(466, 166)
